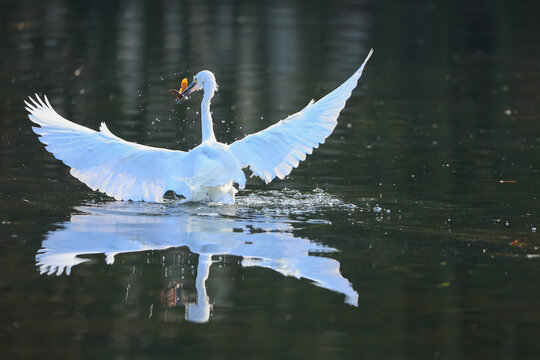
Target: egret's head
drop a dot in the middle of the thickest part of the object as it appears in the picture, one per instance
(203, 80)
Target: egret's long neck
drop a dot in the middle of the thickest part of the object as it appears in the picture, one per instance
(200, 311)
(206, 117)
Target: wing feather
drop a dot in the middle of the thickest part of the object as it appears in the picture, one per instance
(276, 150)
(105, 162)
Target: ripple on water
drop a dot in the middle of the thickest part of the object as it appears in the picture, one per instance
(249, 204)
(287, 202)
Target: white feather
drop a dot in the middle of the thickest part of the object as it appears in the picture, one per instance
(126, 170)
(129, 171)
(276, 150)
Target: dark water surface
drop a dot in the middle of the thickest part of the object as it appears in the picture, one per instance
(411, 234)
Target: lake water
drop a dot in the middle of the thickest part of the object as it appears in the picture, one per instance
(411, 234)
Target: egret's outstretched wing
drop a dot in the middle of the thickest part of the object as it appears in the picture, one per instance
(279, 148)
(104, 162)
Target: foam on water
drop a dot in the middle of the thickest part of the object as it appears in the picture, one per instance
(289, 205)
(291, 202)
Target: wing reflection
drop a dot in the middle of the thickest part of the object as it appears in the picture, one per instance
(118, 227)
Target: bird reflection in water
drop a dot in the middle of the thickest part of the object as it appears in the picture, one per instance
(197, 304)
(118, 227)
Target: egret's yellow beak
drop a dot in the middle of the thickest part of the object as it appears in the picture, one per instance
(184, 91)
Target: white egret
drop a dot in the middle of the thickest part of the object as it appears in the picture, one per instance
(129, 171)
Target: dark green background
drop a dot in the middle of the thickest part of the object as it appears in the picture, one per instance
(446, 109)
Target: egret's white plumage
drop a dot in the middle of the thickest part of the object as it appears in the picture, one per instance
(129, 171)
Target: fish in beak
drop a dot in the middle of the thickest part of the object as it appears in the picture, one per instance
(184, 91)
